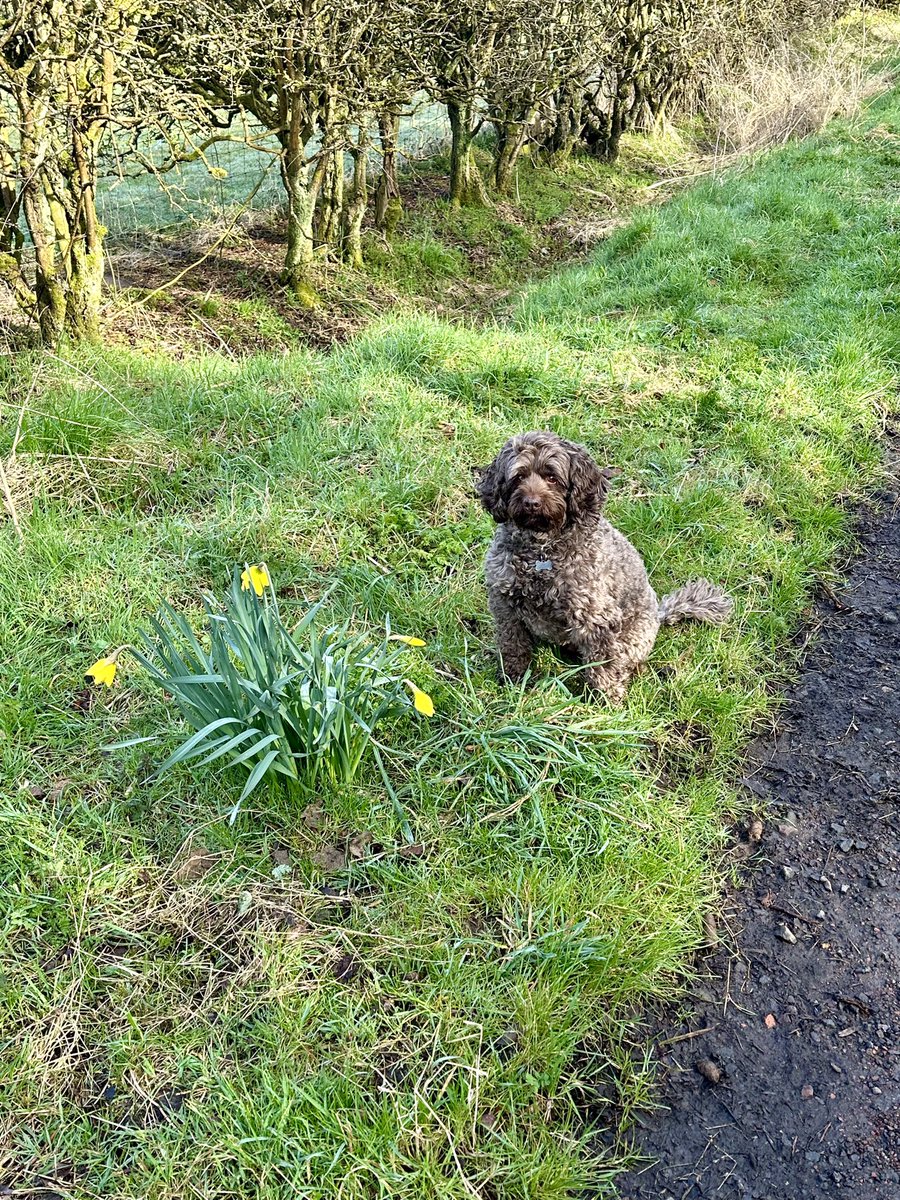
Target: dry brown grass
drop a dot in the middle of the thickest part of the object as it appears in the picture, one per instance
(791, 90)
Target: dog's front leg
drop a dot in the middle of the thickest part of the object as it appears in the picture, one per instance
(513, 639)
(606, 669)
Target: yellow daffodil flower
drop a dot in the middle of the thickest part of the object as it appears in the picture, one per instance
(422, 702)
(407, 641)
(103, 670)
(258, 577)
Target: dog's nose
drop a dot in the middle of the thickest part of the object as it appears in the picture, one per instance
(531, 504)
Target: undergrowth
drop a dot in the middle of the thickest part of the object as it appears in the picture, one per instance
(306, 1003)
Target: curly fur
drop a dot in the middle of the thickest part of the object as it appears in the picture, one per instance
(558, 572)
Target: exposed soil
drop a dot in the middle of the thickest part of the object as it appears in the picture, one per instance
(783, 1083)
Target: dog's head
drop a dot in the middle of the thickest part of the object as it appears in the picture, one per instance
(542, 482)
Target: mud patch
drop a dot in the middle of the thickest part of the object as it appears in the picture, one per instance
(783, 1081)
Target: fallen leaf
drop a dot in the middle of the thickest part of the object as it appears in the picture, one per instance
(710, 929)
(330, 858)
(755, 831)
(359, 844)
(198, 862)
(416, 850)
(313, 816)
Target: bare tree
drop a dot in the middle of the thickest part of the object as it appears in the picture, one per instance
(311, 73)
(453, 52)
(63, 68)
(541, 47)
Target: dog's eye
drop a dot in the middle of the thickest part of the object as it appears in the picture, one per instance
(552, 480)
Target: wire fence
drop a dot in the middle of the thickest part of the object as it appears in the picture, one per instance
(233, 176)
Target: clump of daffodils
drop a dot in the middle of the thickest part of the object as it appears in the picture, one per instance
(303, 702)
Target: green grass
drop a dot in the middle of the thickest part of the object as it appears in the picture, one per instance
(185, 1011)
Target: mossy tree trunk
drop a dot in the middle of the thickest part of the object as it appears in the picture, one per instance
(61, 101)
(358, 202)
(566, 130)
(301, 185)
(467, 187)
(511, 137)
(388, 202)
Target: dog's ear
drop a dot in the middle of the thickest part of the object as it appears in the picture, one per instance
(489, 488)
(588, 484)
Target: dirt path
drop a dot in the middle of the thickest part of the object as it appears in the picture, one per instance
(802, 1014)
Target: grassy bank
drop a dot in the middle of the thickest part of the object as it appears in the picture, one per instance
(299, 1004)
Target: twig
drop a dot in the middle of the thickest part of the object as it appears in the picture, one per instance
(686, 1037)
(787, 912)
(8, 500)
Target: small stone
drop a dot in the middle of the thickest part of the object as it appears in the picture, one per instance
(846, 845)
(755, 830)
(807, 1091)
(786, 934)
(771, 1022)
(826, 883)
(813, 1156)
(708, 1069)
(788, 872)
(845, 888)
(876, 1091)
(837, 1068)
(889, 618)
(820, 915)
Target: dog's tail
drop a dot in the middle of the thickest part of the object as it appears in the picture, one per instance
(698, 600)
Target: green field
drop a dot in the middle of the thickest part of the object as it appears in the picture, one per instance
(297, 1005)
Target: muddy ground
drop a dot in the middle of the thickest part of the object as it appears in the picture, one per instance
(797, 1012)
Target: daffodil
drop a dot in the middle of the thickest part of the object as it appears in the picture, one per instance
(407, 641)
(422, 702)
(258, 577)
(103, 670)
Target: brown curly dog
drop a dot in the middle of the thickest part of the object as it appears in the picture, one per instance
(557, 572)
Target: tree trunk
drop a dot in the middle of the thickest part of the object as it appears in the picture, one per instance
(300, 189)
(84, 293)
(564, 137)
(49, 288)
(331, 202)
(297, 273)
(604, 121)
(466, 184)
(355, 209)
(388, 202)
(84, 265)
(511, 137)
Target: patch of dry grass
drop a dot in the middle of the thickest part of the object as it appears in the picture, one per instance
(792, 89)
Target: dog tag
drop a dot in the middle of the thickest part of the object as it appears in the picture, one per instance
(544, 565)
